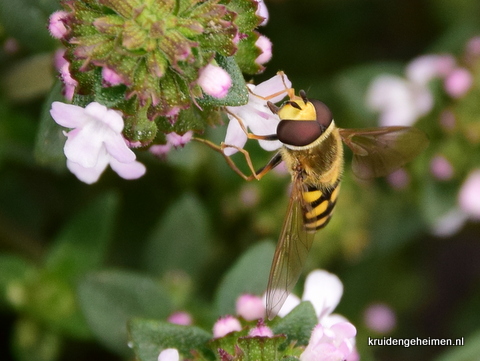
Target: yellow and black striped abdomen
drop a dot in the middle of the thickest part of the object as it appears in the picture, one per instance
(319, 204)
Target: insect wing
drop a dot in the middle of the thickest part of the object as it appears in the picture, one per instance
(380, 151)
(290, 255)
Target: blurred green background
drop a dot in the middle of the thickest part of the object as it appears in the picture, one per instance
(77, 260)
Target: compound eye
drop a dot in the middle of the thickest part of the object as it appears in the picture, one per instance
(324, 115)
(298, 132)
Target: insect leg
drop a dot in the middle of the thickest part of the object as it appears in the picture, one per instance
(251, 135)
(255, 174)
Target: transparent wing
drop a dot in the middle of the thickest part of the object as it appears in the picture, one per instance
(380, 151)
(290, 254)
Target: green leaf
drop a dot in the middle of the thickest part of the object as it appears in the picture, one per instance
(150, 337)
(109, 299)
(247, 53)
(26, 20)
(238, 93)
(181, 240)
(298, 324)
(248, 275)
(50, 139)
(467, 352)
(81, 245)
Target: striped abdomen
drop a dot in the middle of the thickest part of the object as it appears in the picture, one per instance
(319, 206)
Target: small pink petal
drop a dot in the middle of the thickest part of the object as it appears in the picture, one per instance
(111, 77)
(68, 115)
(109, 117)
(56, 24)
(117, 148)
(262, 11)
(84, 146)
(265, 45)
(441, 168)
(215, 81)
(91, 174)
(132, 170)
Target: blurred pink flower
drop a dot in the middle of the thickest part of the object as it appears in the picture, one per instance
(399, 179)
(95, 141)
(458, 82)
(425, 68)
(469, 195)
(250, 307)
(399, 101)
(380, 318)
(215, 81)
(226, 325)
(256, 115)
(441, 168)
(180, 318)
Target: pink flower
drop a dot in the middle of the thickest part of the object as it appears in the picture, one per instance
(180, 318)
(399, 179)
(469, 195)
(250, 307)
(399, 101)
(380, 318)
(111, 77)
(68, 81)
(174, 140)
(262, 11)
(256, 115)
(441, 168)
(428, 67)
(56, 24)
(226, 325)
(95, 142)
(169, 354)
(330, 343)
(265, 45)
(214, 81)
(458, 82)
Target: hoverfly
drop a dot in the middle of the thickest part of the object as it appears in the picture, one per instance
(313, 154)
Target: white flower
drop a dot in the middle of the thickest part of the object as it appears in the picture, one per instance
(256, 115)
(214, 81)
(428, 67)
(95, 141)
(169, 354)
